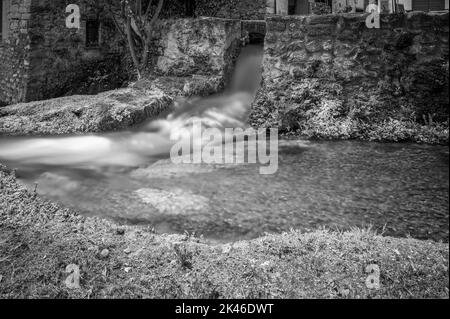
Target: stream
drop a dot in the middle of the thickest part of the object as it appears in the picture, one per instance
(399, 189)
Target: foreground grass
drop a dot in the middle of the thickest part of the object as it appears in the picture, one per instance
(39, 239)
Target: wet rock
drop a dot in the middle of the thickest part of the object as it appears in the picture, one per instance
(202, 86)
(106, 111)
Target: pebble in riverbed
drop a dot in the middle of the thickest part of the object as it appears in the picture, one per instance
(175, 202)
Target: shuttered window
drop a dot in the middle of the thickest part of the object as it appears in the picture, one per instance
(190, 8)
(1, 19)
(428, 5)
(298, 7)
(92, 33)
(4, 22)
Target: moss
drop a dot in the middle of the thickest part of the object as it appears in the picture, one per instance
(38, 239)
(108, 111)
(317, 109)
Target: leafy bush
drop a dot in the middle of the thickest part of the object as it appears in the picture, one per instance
(99, 76)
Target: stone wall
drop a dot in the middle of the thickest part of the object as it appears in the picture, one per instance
(14, 54)
(323, 70)
(59, 57)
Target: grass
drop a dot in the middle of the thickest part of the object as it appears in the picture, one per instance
(39, 239)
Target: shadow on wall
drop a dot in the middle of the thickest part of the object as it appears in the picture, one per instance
(256, 38)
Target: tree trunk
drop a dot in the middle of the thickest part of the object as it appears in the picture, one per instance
(132, 48)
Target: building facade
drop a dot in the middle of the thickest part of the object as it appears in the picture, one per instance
(390, 6)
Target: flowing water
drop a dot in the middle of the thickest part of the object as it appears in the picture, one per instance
(127, 176)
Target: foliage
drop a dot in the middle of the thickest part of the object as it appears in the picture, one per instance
(100, 75)
(135, 20)
(232, 9)
(320, 8)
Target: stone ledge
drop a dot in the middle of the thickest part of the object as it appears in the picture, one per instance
(107, 111)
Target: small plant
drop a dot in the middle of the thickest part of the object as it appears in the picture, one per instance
(184, 256)
(428, 120)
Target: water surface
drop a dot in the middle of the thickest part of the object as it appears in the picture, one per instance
(401, 188)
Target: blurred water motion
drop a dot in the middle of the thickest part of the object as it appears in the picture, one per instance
(154, 139)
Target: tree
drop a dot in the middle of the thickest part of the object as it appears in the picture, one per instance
(135, 21)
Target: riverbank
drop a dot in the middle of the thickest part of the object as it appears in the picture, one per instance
(388, 131)
(39, 239)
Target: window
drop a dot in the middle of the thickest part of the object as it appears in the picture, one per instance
(144, 5)
(92, 33)
(428, 5)
(190, 8)
(4, 22)
(1, 18)
(291, 7)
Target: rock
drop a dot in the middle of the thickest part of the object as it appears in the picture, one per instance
(106, 111)
(205, 46)
(203, 86)
(226, 249)
(127, 269)
(127, 251)
(73, 280)
(120, 231)
(104, 253)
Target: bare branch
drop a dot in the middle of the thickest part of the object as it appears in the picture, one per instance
(132, 47)
(147, 12)
(157, 12)
(116, 23)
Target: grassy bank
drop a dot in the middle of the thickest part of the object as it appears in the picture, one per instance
(39, 239)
